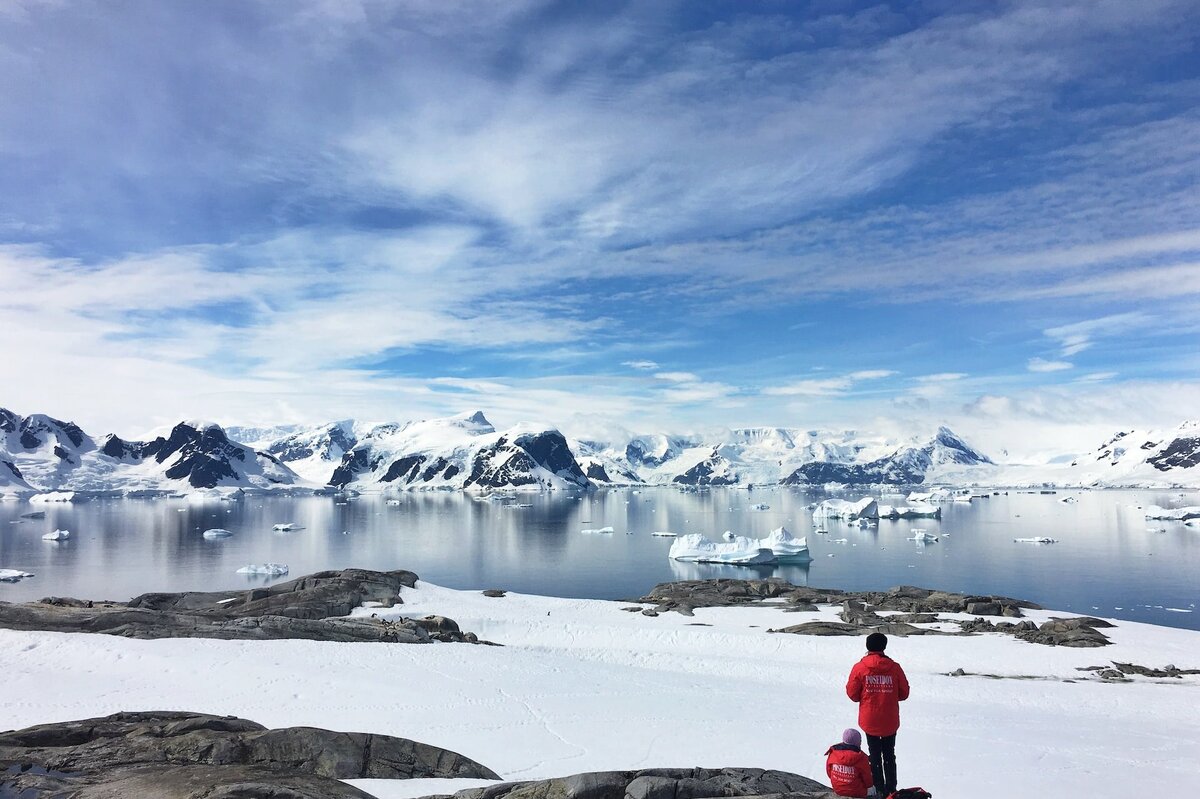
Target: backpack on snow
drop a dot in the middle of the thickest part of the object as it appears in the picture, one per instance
(909, 793)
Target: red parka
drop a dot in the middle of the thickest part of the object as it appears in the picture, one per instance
(849, 770)
(878, 684)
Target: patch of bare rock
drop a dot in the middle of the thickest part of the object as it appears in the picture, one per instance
(315, 607)
(661, 783)
(907, 606)
(181, 755)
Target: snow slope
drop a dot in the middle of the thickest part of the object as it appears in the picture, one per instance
(581, 686)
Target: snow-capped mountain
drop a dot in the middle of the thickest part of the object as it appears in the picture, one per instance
(941, 458)
(460, 452)
(42, 453)
(1140, 457)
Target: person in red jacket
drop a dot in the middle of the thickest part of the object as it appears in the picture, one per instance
(848, 768)
(878, 685)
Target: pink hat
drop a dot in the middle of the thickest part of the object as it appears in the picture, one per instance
(852, 737)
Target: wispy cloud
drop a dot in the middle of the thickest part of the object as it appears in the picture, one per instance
(1042, 365)
(642, 365)
(826, 386)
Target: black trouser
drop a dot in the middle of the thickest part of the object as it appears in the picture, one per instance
(882, 753)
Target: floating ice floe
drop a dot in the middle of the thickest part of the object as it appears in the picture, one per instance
(861, 522)
(55, 496)
(922, 536)
(779, 546)
(664, 534)
(604, 530)
(13, 575)
(760, 506)
(1069, 500)
(393, 502)
(1041, 540)
(270, 569)
(34, 514)
(1173, 514)
(286, 527)
(921, 510)
(57, 535)
(865, 508)
(217, 532)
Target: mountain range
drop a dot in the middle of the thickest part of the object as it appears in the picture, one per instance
(39, 453)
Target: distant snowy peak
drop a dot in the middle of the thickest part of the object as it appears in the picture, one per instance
(462, 451)
(41, 453)
(906, 465)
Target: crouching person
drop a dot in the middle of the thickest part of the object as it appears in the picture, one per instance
(848, 768)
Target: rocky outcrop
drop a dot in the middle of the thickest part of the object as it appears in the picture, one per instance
(661, 783)
(178, 755)
(314, 607)
(685, 595)
(860, 615)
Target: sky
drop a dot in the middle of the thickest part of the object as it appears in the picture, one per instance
(611, 217)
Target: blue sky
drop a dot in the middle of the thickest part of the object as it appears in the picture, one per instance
(618, 216)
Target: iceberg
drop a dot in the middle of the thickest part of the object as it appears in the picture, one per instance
(57, 535)
(922, 536)
(12, 575)
(1042, 540)
(217, 532)
(286, 527)
(787, 548)
(865, 508)
(54, 496)
(269, 569)
(916, 511)
(1173, 514)
(760, 506)
(779, 546)
(605, 530)
(742, 551)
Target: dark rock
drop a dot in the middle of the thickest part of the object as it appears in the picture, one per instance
(314, 607)
(713, 471)
(178, 754)
(649, 612)
(664, 783)
(1066, 632)
(494, 592)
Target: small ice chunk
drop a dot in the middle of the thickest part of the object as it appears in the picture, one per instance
(57, 535)
(1040, 540)
(603, 530)
(269, 569)
(34, 514)
(664, 534)
(217, 532)
(286, 527)
(13, 575)
(760, 506)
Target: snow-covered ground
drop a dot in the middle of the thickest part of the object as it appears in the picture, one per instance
(581, 685)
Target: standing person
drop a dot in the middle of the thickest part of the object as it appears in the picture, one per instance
(878, 684)
(848, 769)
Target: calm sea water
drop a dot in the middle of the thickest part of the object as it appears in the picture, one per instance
(1109, 559)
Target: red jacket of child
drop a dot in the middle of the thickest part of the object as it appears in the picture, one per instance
(849, 770)
(878, 684)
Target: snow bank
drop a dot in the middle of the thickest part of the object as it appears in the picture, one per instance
(625, 685)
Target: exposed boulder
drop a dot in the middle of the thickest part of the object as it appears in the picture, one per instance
(661, 783)
(314, 607)
(173, 755)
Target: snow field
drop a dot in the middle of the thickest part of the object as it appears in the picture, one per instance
(582, 686)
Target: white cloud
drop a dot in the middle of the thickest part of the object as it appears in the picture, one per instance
(827, 386)
(1042, 365)
(642, 365)
(678, 377)
(940, 377)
